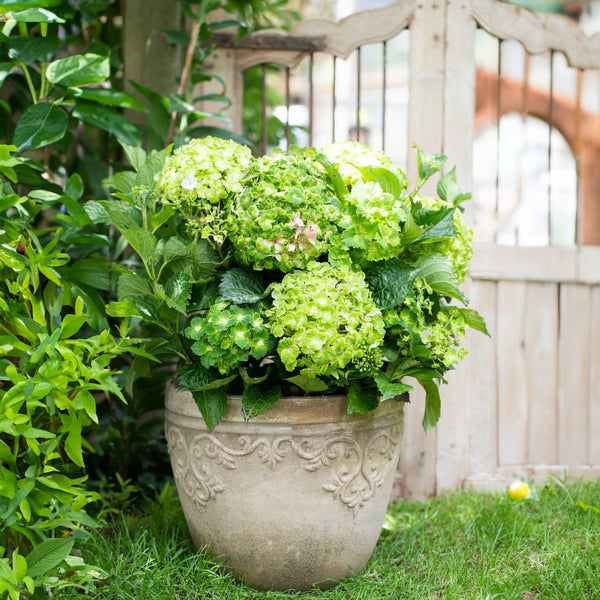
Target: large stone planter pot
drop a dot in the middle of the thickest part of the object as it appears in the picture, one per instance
(296, 496)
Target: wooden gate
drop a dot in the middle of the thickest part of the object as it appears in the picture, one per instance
(527, 401)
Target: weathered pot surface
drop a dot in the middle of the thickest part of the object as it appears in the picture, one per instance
(294, 497)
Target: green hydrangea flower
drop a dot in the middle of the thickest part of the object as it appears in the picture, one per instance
(418, 323)
(199, 176)
(285, 217)
(372, 221)
(325, 319)
(350, 156)
(227, 335)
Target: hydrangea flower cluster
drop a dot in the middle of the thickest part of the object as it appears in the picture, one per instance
(325, 319)
(285, 217)
(372, 221)
(437, 331)
(328, 275)
(228, 335)
(199, 176)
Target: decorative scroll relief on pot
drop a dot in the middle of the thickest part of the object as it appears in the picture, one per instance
(356, 472)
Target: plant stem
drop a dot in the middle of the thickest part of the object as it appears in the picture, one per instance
(185, 75)
(29, 81)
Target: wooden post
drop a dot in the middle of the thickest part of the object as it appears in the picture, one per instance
(148, 57)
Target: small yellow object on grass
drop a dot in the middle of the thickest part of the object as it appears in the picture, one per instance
(518, 490)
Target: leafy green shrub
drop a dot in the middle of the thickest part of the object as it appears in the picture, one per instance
(51, 371)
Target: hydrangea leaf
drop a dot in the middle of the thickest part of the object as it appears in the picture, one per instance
(428, 164)
(212, 404)
(440, 275)
(362, 399)
(448, 190)
(388, 389)
(178, 290)
(205, 259)
(142, 241)
(474, 320)
(308, 384)
(436, 224)
(258, 397)
(242, 286)
(196, 377)
(432, 404)
(387, 179)
(390, 282)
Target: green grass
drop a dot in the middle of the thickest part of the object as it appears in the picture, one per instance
(467, 545)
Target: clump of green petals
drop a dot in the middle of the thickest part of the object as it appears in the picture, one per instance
(228, 335)
(199, 176)
(325, 319)
(372, 221)
(285, 217)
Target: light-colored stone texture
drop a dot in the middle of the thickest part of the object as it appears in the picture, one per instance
(296, 496)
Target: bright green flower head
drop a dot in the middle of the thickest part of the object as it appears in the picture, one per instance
(285, 216)
(372, 221)
(199, 176)
(349, 157)
(325, 319)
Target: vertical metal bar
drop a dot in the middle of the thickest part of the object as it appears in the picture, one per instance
(550, 128)
(498, 115)
(264, 109)
(311, 62)
(358, 84)
(333, 101)
(383, 95)
(287, 108)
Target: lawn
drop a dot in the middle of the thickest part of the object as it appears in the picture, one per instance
(467, 545)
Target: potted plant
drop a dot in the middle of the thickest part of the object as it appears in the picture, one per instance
(298, 291)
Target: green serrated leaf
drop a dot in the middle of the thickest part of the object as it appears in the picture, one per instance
(428, 164)
(436, 224)
(242, 286)
(205, 260)
(390, 282)
(142, 241)
(432, 404)
(120, 214)
(258, 397)
(388, 389)
(448, 190)
(178, 290)
(362, 399)
(439, 273)
(31, 49)
(107, 96)
(212, 404)
(474, 320)
(131, 284)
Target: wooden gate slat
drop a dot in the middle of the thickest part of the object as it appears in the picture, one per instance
(483, 406)
(541, 356)
(512, 374)
(573, 374)
(594, 378)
